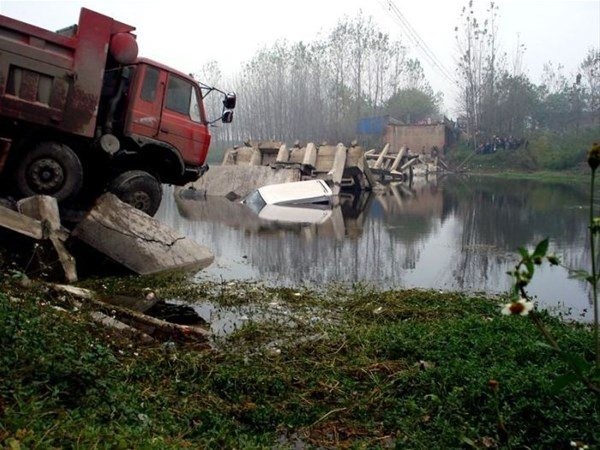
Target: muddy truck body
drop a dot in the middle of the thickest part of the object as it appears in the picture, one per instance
(80, 113)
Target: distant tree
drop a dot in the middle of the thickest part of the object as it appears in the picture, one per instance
(517, 100)
(590, 80)
(412, 105)
(367, 68)
(559, 102)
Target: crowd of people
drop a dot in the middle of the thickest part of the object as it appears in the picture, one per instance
(501, 143)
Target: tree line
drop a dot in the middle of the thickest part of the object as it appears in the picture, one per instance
(317, 91)
(498, 98)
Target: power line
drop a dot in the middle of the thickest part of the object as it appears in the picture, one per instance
(420, 43)
(412, 34)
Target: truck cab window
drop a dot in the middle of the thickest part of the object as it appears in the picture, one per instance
(150, 83)
(179, 94)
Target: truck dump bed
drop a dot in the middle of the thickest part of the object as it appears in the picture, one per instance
(55, 79)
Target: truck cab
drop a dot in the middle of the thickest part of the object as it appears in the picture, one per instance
(165, 110)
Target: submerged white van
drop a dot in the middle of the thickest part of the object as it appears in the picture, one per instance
(294, 193)
(295, 202)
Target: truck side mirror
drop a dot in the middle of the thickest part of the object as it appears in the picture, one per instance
(227, 116)
(229, 101)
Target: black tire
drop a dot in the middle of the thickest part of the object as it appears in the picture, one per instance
(49, 169)
(139, 189)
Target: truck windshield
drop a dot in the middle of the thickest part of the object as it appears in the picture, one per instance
(182, 98)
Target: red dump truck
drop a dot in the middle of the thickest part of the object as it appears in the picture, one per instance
(81, 113)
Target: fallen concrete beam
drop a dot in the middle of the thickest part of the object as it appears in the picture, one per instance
(45, 209)
(382, 155)
(225, 181)
(21, 223)
(337, 168)
(310, 155)
(137, 241)
(398, 159)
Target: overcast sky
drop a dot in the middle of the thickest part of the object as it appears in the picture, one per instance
(187, 34)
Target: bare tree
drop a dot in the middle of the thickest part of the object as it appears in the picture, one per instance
(479, 68)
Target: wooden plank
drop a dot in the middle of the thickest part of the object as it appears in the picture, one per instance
(140, 304)
(136, 240)
(21, 223)
(150, 324)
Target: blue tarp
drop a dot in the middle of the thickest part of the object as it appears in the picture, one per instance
(374, 125)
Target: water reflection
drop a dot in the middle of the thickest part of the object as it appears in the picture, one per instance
(451, 234)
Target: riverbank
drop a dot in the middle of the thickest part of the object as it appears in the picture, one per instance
(342, 367)
(544, 152)
(571, 177)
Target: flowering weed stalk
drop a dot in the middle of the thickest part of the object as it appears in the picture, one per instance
(594, 161)
(522, 305)
(581, 370)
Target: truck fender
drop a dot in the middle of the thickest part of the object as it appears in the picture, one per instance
(159, 152)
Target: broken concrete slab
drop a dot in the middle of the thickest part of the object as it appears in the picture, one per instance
(137, 241)
(38, 218)
(21, 223)
(45, 209)
(221, 181)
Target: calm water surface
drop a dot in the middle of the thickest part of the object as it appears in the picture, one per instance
(448, 234)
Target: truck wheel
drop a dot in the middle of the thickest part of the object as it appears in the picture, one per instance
(139, 189)
(49, 169)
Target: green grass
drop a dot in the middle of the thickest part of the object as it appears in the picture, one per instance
(349, 367)
(547, 153)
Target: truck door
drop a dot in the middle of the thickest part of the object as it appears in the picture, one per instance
(168, 107)
(182, 122)
(146, 107)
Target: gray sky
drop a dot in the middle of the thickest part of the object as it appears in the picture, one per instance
(187, 34)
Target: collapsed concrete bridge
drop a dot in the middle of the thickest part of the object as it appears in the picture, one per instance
(256, 164)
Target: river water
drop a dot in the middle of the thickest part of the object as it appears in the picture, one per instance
(452, 233)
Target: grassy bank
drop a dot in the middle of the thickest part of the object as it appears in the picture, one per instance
(345, 367)
(563, 154)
